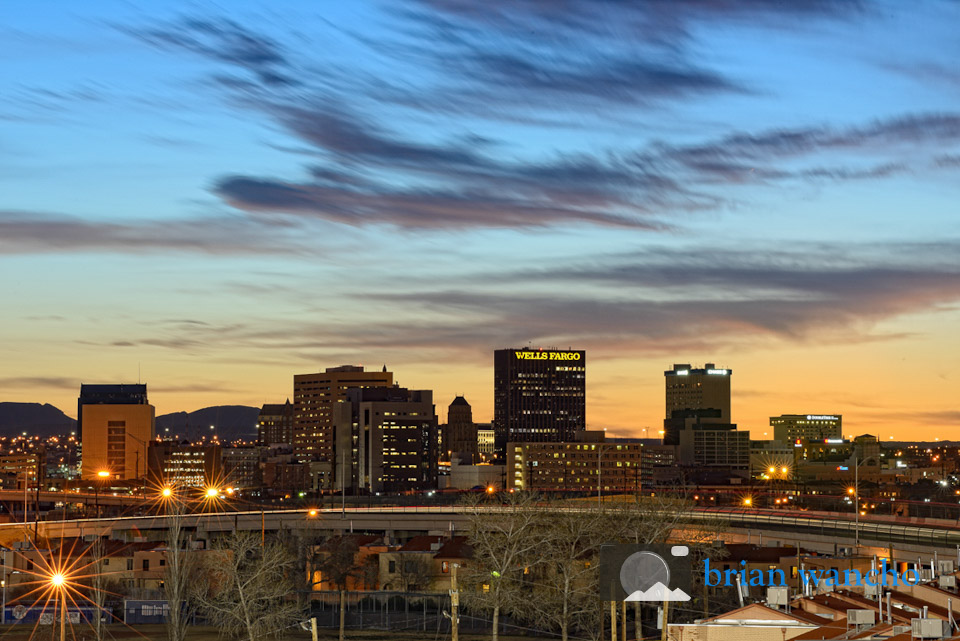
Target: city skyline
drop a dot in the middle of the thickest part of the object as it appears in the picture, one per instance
(213, 202)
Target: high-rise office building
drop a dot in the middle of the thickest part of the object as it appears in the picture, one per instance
(788, 428)
(691, 388)
(116, 424)
(539, 395)
(315, 396)
(386, 440)
(459, 435)
(275, 424)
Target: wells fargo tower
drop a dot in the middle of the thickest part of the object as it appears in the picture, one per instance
(314, 396)
(539, 395)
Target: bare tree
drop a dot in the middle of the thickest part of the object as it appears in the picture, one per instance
(98, 588)
(370, 572)
(177, 575)
(503, 539)
(563, 584)
(337, 562)
(414, 570)
(246, 587)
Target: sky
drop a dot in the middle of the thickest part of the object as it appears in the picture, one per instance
(213, 197)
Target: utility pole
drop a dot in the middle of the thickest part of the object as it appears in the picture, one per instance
(454, 605)
(613, 621)
(313, 628)
(666, 612)
(856, 495)
(343, 612)
(623, 620)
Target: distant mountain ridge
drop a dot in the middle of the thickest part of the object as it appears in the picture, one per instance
(42, 419)
(36, 419)
(230, 422)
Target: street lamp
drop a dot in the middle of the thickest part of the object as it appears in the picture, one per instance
(59, 583)
(102, 475)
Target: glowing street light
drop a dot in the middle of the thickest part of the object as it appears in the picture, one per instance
(312, 513)
(103, 474)
(59, 582)
(166, 492)
(747, 502)
(490, 489)
(211, 493)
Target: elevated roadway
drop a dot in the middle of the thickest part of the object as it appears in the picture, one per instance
(815, 530)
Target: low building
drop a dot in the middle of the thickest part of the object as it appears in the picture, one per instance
(241, 466)
(355, 557)
(753, 622)
(576, 467)
(468, 477)
(184, 464)
(789, 428)
(772, 460)
(19, 469)
(423, 563)
(283, 475)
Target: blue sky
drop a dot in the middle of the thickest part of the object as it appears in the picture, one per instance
(226, 195)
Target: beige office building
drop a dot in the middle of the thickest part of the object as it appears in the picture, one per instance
(314, 397)
(115, 440)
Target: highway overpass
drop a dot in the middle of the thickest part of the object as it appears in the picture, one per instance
(818, 531)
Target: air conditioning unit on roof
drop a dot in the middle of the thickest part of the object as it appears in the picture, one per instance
(930, 628)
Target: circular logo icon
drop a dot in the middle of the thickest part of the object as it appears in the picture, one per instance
(19, 612)
(643, 570)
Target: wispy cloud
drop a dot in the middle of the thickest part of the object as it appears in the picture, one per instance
(30, 232)
(654, 303)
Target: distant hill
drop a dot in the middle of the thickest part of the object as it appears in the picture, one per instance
(34, 418)
(230, 422)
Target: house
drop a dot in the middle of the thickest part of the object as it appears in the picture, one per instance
(354, 556)
(423, 563)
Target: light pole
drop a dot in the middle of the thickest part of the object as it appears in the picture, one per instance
(145, 461)
(101, 476)
(3, 586)
(855, 491)
(59, 581)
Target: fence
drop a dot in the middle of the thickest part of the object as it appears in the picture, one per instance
(394, 611)
(48, 615)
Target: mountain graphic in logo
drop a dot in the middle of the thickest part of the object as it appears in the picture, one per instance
(658, 592)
